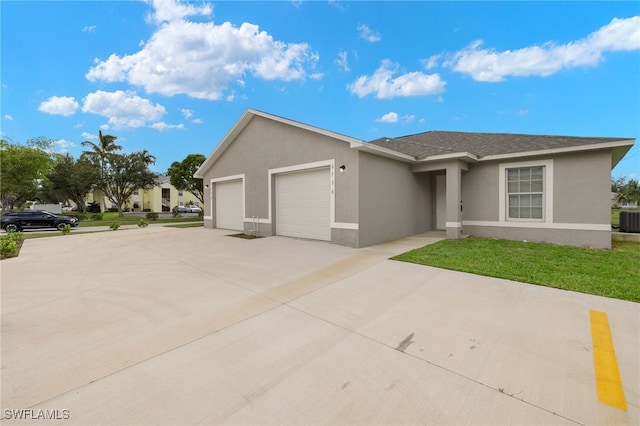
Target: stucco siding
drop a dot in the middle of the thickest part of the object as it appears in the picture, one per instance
(581, 201)
(480, 192)
(266, 144)
(582, 188)
(568, 237)
(394, 201)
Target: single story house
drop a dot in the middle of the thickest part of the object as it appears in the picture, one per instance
(274, 176)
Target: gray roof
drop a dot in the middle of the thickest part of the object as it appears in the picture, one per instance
(428, 144)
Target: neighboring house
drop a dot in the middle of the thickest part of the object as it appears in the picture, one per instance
(622, 203)
(283, 177)
(159, 198)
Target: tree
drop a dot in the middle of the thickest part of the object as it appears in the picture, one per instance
(22, 169)
(72, 179)
(98, 155)
(125, 173)
(626, 190)
(181, 175)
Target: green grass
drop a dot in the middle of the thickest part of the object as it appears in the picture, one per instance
(187, 225)
(611, 273)
(110, 217)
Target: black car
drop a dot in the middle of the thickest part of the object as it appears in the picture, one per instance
(17, 221)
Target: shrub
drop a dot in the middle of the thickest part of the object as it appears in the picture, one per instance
(96, 216)
(9, 244)
(152, 216)
(93, 207)
(175, 213)
(146, 210)
(114, 226)
(112, 209)
(65, 229)
(142, 223)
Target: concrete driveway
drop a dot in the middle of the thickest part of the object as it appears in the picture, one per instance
(189, 326)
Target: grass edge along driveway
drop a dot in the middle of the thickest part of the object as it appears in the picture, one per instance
(611, 273)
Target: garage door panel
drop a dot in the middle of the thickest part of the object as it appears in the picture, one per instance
(303, 204)
(229, 205)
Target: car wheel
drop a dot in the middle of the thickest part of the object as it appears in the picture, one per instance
(60, 226)
(11, 227)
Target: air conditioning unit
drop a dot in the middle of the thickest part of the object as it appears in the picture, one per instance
(630, 221)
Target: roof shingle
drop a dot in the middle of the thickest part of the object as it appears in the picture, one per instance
(432, 143)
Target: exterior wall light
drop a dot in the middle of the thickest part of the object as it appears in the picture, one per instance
(342, 168)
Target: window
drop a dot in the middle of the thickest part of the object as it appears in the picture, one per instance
(135, 192)
(525, 192)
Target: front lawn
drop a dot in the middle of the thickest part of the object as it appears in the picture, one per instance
(110, 217)
(611, 273)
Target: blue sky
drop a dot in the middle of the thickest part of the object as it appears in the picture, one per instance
(174, 77)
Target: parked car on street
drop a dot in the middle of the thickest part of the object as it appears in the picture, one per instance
(14, 221)
(187, 209)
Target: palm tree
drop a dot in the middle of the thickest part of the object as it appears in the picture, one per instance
(106, 145)
(99, 153)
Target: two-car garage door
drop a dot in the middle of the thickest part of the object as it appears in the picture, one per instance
(303, 207)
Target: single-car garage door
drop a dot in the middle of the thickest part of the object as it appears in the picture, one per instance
(229, 212)
(303, 204)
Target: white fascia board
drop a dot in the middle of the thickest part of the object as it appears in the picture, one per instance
(465, 156)
(383, 152)
(591, 147)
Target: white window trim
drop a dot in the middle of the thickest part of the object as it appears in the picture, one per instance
(548, 191)
(212, 183)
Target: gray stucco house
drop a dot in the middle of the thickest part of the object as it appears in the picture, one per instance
(276, 176)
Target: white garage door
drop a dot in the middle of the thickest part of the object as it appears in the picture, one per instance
(303, 204)
(229, 212)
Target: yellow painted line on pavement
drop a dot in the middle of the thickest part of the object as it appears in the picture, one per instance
(608, 380)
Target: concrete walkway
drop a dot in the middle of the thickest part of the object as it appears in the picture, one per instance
(189, 326)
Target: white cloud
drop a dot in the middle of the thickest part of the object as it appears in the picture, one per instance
(431, 62)
(384, 86)
(171, 11)
(8, 117)
(549, 58)
(202, 59)
(197, 121)
(162, 126)
(368, 34)
(89, 29)
(123, 109)
(89, 137)
(59, 105)
(186, 113)
(62, 146)
(390, 117)
(342, 61)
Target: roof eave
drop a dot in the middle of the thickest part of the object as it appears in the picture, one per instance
(464, 156)
(628, 143)
(382, 152)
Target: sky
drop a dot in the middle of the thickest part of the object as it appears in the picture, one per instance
(173, 77)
